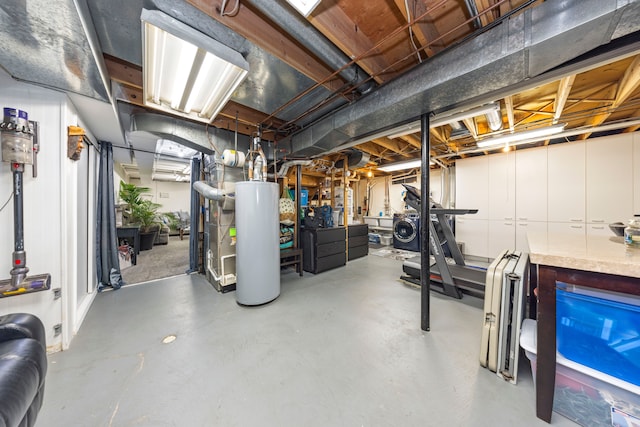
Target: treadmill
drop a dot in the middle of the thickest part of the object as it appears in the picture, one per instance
(450, 278)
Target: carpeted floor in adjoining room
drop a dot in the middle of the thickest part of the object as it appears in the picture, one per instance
(162, 261)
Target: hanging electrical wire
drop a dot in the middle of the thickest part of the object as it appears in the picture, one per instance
(413, 42)
(7, 202)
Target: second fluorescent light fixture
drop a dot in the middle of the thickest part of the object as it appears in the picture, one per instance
(521, 136)
(304, 7)
(408, 164)
(184, 71)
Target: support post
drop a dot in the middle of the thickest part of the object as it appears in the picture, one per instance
(296, 230)
(425, 215)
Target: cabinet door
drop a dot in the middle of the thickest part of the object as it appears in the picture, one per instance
(472, 185)
(610, 179)
(522, 228)
(502, 235)
(597, 229)
(566, 177)
(573, 228)
(502, 186)
(531, 184)
(474, 233)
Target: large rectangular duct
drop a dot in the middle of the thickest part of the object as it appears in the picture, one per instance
(510, 54)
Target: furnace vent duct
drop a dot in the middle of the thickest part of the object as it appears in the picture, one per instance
(355, 159)
(209, 192)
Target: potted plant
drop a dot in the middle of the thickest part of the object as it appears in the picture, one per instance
(140, 211)
(144, 214)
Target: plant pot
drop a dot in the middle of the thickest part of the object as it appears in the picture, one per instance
(146, 240)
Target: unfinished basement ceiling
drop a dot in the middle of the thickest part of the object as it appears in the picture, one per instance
(349, 73)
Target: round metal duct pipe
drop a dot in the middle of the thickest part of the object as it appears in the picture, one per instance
(302, 30)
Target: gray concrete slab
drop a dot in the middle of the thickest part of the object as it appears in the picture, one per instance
(341, 348)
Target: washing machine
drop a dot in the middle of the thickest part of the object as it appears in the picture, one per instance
(406, 231)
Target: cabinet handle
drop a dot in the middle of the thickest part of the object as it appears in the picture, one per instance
(522, 219)
(597, 228)
(576, 219)
(597, 220)
(508, 223)
(577, 226)
(523, 224)
(509, 219)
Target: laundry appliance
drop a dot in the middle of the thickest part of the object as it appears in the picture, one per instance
(406, 231)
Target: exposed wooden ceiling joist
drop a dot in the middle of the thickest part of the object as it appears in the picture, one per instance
(331, 20)
(564, 88)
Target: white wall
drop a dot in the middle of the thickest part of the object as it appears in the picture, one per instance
(172, 196)
(51, 212)
(437, 190)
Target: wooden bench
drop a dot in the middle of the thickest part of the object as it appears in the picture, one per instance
(292, 256)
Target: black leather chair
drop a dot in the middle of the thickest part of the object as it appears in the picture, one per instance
(23, 367)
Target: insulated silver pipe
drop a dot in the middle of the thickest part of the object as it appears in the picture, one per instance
(301, 29)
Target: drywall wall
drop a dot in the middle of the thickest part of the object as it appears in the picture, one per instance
(52, 208)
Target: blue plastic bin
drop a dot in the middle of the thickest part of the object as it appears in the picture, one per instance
(599, 333)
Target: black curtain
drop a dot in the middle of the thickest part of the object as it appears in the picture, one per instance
(195, 217)
(108, 265)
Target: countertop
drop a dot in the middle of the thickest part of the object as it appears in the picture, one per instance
(602, 254)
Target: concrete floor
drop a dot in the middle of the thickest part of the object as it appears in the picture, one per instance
(162, 261)
(341, 348)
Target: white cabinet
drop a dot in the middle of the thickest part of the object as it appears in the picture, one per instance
(522, 228)
(502, 235)
(531, 184)
(474, 233)
(567, 228)
(502, 186)
(566, 183)
(472, 185)
(609, 174)
(598, 229)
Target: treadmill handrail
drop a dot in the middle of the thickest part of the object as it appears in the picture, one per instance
(445, 211)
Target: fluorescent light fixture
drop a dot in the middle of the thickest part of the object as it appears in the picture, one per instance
(442, 119)
(185, 72)
(407, 164)
(305, 7)
(407, 129)
(521, 136)
(168, 148)
(491, 110)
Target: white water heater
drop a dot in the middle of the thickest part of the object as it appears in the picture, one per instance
(258, 242)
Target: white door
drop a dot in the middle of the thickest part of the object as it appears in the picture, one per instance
(610, 179)
(531, 184)
(502, 186)
(472, 185)
(566, 190)
(502, 235)
(524, 227)
(474, 233)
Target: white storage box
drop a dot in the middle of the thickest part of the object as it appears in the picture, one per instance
(385, 221)
(584, 395)
(371, 220)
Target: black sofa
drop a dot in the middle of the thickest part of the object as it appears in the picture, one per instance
(23, 367)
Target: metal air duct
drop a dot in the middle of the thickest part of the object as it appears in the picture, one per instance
(298, 27)
(521, 50)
